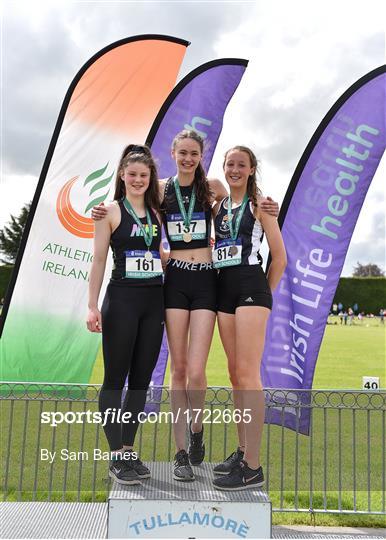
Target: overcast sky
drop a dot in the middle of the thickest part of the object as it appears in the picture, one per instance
(303, 56)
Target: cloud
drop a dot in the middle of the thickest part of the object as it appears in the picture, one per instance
(303, 56)
(44, 49)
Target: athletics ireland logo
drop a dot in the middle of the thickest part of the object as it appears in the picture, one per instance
(75, 223)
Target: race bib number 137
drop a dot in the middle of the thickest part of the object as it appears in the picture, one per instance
(177, 229)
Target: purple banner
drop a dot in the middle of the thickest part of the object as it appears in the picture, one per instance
(198, 102)
(318, 218)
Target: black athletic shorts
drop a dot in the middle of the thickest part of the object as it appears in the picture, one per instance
(242, 286)
(190, 286)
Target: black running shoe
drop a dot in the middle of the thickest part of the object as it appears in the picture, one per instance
(182, 470)
(241, 477)
(231, 461)
(196, 450)
(141, 469)
(123, 472)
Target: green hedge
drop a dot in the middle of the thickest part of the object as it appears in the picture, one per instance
(368, 293)
(5, 276)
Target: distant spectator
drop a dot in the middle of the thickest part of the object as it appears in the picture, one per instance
(382, 315)
(340, 306)
(341, 317)
(355, 308)
(335, 309)
(350, 314)
(345, 317)
(360, 317)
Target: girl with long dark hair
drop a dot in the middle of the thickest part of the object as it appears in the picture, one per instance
(132, 315)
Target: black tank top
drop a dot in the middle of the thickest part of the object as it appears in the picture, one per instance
(251, 232)
(128, 236)
(173, 221)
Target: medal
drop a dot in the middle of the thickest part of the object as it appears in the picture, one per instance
(234, 231)
(233, 251)
(147, 234)
(187, 216)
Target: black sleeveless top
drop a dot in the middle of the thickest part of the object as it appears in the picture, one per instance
(251, 232)
(200, 223)
(128, 236)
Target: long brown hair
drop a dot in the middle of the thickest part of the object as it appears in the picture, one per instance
(253, 191)
(200, 183)
(138, 153)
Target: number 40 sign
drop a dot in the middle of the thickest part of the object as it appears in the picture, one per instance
(370, 383)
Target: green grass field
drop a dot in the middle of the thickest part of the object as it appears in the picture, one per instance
(347, 353)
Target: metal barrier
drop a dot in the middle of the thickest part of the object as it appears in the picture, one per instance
(338, 468)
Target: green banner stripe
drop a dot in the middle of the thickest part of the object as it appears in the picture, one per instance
(96, 201)
(101, 184)
(95, 174)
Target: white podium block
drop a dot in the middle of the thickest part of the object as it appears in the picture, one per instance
(164, 508)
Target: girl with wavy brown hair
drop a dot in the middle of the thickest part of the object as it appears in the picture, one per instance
(243, 307)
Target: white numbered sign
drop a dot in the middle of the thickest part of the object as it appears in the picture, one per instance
(177, 229)
(138, 265)
(370, 383)
(227, 253)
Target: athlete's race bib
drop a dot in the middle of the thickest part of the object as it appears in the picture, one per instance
(177, 229)
(137, 265)
(227, 253)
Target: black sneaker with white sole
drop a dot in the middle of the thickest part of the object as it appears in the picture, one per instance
(182, 471)
(229, 463)
(196, 449)
(241, 477)
(123, 472)
(141, 469)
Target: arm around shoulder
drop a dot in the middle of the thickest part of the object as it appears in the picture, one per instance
(218, 189)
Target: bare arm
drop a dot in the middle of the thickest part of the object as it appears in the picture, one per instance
(268, 205)
(164, 254)
(99, 212)
(101, 246)
(161, 189)
(277, 249)
(218, 189)
(215, 209)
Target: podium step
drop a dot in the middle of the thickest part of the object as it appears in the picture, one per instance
(162, 507)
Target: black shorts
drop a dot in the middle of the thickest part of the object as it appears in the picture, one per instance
(190, 286)
(242, 286)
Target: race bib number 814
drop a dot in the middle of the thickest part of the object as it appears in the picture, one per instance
(227, 253)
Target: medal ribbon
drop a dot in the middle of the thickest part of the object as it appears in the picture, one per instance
(235, 231)
(186, 216)
(147, 234)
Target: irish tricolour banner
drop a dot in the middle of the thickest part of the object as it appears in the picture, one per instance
(318, 217)
(112, 101)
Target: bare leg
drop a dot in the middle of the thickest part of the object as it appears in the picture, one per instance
(177, 327)
(251, 325)
(201, 332)
(227, 329)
